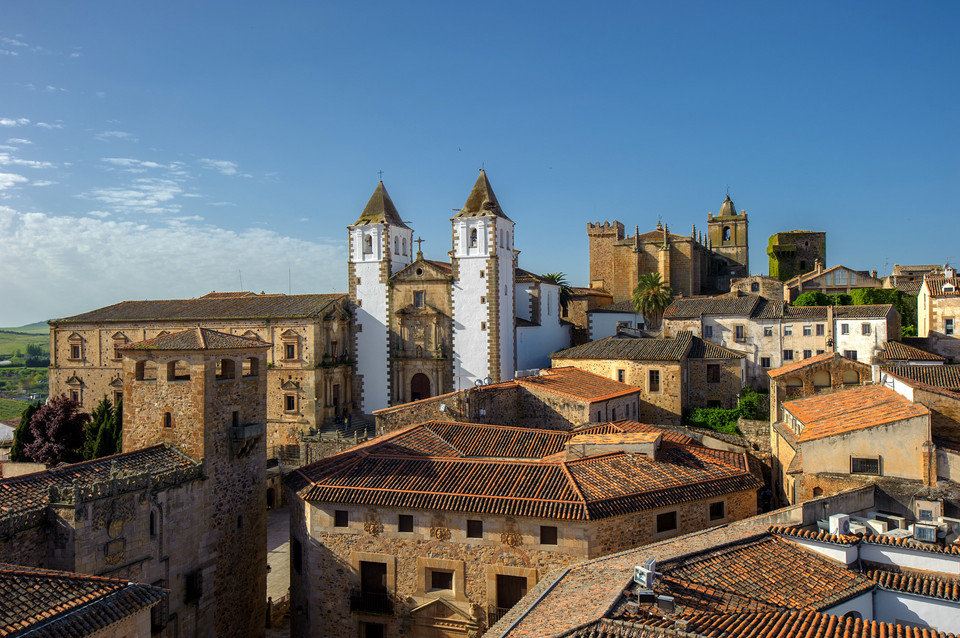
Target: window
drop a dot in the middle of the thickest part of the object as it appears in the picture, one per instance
(341, 518)
(708, 331)
(861, 465)
(483, 273)
(405, 523)
(713, 373)
(613, 414)
(194, 586)
(621, 375)
(117, 397)
(441, 579)
(226, 369)
(768, 331)
(787, 331)
(473, 237)
(75, 351)
(948, 326)
(819, 329)
(850, 354)
(290, 351)
(666, 522)
(290, 403)
(161, 611)
(764, 362)
(788, 355)
(807, 354)
(483, 325)
(474, 529)
(717, 511)
(548, 535)
(167, 420)
(807, 330)
(599, 417)
(153, 524)
(403, 245)
(726, 233)
(654, 378)
(372, 630)
(296, 554)
(754, 287)
(844, 328)
(865, 328)
(820, 351)
(738, 333)
(367, 245)
(75, 395)
(483, 299)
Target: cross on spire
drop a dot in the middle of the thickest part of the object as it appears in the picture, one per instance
(381, 175)
(418, 241)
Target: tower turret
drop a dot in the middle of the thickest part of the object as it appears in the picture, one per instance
(727, 236)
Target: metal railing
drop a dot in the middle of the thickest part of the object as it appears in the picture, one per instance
(371, 603)
(494, 614)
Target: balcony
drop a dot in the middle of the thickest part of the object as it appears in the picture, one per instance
(494, 614)
(245, 432)
(371, 603)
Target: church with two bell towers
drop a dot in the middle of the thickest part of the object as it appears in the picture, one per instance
(425, 327)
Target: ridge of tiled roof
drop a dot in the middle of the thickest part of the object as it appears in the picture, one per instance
(944, 377)
(481, 201)
(636, 349)
(803, 363)
(203, 309)
(31, 491)
(914, 268)
(813, 274)
(868, 311)
(701, 349)
(815, 535)
(525, 276)
(213, 294)
(768, 309)
(852, 409)
(47, 603)
(935, 286)
(906, 543)
(620, 306)
(627, 426)
(380, 210)
(921, 584)
(804, 312)
(578, 384)
(897, 351)
(501, 470)
(196, 339)
(690, 307)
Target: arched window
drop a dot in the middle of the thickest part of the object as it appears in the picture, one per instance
(251, 367)
(473, 238)
(367, 245)
(726, 233)
(851, 377)
(146, 370)
(403, 245)
(226, 369)
(396, 245)
(821, 379)
(818, 491)
(178, 371)
(794, 382)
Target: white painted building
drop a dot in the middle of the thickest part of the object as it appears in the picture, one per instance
(604, 321)
(540, 331)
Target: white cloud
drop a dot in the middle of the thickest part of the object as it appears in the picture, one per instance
(9, 121)
(7, 160)
(144, 195)
(44, 182)
(18, 140)
(222, 204)
(9, 180)
(81, 263)
(8, 52)
(74, 55)
(55, 89)
(130, 165)
(223, 167)
(10, 42)
(116, 135)
(50, 126)
(304, 219)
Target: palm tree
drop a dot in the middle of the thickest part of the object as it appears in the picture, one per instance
(651, 298)
(560, 279)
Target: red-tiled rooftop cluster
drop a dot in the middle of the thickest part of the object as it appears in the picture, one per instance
(854, 409)
(800, 365)
(898, 351)
(197, 339)
(518, 472)
(578, 384)
(923, 584)
(945, 377)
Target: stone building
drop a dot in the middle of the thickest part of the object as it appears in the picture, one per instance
(674, 375)
(767, 287)
(439, 528)
(308, 369)
(794, 252)
(831, 281)
(45, 603)
(582, 301)
(183, 507)
(821, 373)
(828, 443)
(908, 279)
(938, 312)
(689, 265)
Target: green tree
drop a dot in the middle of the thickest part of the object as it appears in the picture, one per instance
(109, 439)
(651, 297)
(23, 436)
(100, 418)
(813, 298)
(841, 299)
(566, 293)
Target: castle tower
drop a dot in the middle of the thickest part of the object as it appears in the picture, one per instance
(483, 289)
(380, 245)
(601, 238)
(727, 234)
(204, 393)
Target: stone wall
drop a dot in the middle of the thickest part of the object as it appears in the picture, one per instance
(816, 378)
(945, 417)
(724, 392)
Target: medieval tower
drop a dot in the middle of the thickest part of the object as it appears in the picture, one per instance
(380, 245)
(204, 393)
(727, 233)
(483, 289)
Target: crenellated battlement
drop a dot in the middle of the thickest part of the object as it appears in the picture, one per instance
(596, 229)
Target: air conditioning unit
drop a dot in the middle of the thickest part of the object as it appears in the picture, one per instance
(839, 524)
(892, 521)
(644, 574)
(877, 527)
(953, 524)
(925, 533)
(859, 528)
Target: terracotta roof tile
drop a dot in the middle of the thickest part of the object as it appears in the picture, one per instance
(701, 349)
(849, 410)
(862, 312)
(921, 584)
(909, 543)
(625, 306)
(897, 351)
(624, 426)
(935, 286)
(578, 384)
(946, 377)
(690, 307)
(815, 535)
(196, 339)
(803, 363)
(630, 348)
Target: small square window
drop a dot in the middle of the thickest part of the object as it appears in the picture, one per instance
(850, 354)
(738, 333)
(483, 273)
(74, 352)
(820, 351)
(788, 355)
(621, 375)
(807, 354)
(787, 331)
(764, 362)
(717, 511)
(341, 518)
(441, 579)
(807, 330)
(844, 328)
(483, 325)
(290, 351)
(948, 326)
(483, 299)
(666, 522)
(548, 535)
(474, 529)
(290, 403)
(768, 331)
(405, 523)
(865, 328)
(708, 331)
(819, 329)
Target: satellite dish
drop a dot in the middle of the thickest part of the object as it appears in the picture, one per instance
(443, 407)
(487, 381)
(478, 382)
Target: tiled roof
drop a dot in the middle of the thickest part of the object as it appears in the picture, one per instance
(690, 307)
(578, 384)
(875, 311)
(630, 348)
(45, 603)
(801, 364)
(503, 470)
(849, 410)
(935, 286)
(805, 312)
(921, 584)
(909, 287)
(481, 200)
(914, 269)
(625, 306)
(196, 339)
(946, 377)
(30, 491)
(380, 210)
(768, 309)
(521, 275)
(204, 309)
(897, 351)
(701, 349)
(228, 295)
(815, 535)
(813, 274)
(624, 426)
(909, 543)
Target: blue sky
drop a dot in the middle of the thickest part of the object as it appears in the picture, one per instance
(156, 150)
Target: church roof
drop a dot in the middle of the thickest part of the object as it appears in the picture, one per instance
(196, 339)
(380, 210)
(481, 202)
(727, 209)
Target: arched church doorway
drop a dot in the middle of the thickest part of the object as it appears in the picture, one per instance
(419, 387)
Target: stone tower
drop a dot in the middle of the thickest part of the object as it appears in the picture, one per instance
(204, 393)
(601, 238)
(727, 233)
(380, 245)
(795, 252)
(483, 289)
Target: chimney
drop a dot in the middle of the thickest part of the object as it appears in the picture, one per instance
(949, 272)
(873, 273)
(818, 266)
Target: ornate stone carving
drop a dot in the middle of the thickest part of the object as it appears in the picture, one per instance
(373, 526)
(512, 539)
(440, 533)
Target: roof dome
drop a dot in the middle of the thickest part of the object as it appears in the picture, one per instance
(728, 208)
